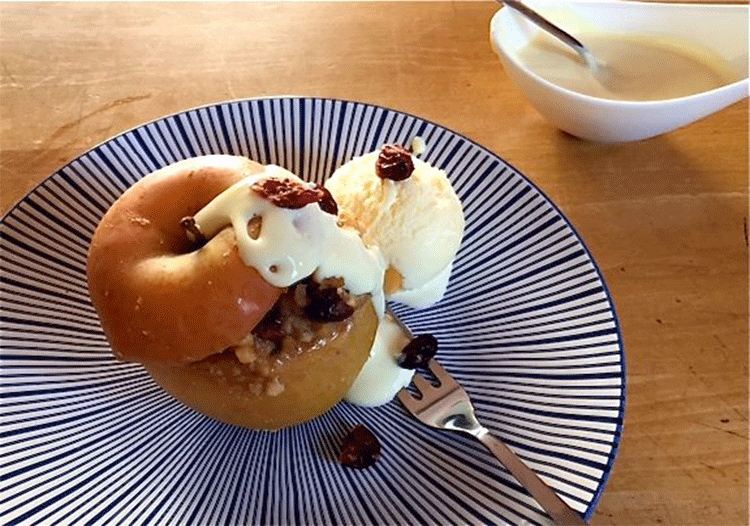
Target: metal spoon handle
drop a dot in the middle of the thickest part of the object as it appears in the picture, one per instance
(547, 25)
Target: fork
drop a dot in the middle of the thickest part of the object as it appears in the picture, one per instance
(447, 406)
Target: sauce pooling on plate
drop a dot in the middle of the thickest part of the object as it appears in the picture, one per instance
(637, 68)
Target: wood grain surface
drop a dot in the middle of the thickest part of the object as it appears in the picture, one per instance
(665, 218)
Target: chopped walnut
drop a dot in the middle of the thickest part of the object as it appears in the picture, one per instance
(274, 387)
(142, 221)
(284, 333)
(252, 348)
(300, 295)
(253, 227)
(246, 353)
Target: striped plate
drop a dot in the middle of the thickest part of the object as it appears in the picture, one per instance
(527, 326)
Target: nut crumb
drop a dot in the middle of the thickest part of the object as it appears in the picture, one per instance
(246, 353)
(142, 221)
(274, 387)
(300, 295)
(254, 226)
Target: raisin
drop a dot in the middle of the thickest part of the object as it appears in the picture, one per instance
(326, 304)
(418, 352)
(269, 328)
(326, 202)
(193, 231)
(286, 193)
(360, 448)
(394, 162)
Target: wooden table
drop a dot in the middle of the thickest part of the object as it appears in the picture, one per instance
(666, 218)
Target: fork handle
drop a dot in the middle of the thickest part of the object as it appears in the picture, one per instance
(555, 507)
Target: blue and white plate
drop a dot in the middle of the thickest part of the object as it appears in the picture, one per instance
(527, 326)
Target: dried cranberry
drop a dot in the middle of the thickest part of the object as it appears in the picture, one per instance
(286, 193)
(326, 304)
(418, 352)
(394, 162)
(360, 448)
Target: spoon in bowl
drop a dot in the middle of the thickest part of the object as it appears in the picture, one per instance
(597, 67)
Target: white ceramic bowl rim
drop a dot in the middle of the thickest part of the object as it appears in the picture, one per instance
(602, 100)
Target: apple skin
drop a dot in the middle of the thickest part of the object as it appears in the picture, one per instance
(313, 381)
(158, 299)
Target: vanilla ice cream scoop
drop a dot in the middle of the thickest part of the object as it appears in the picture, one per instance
(416, 221)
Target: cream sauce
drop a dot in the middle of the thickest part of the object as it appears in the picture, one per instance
(426, 295)
(381, 377)
(294, 243)
(636, 68)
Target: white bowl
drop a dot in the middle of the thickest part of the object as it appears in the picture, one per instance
(721, 28)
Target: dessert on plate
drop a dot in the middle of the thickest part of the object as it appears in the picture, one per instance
(409, 210)
(259, 299)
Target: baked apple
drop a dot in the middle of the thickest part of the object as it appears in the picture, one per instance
(261, 314)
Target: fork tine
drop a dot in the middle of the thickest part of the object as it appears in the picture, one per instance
(410, 403)
(421, 383)
(446, 380)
